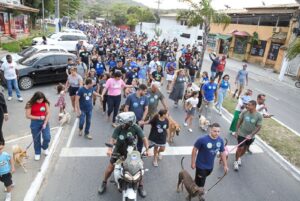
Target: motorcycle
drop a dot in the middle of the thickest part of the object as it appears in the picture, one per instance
(129, 172)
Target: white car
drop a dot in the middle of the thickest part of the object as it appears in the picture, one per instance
(65, 39)
(28, 52)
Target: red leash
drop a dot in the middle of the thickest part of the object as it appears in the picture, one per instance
(237, 145)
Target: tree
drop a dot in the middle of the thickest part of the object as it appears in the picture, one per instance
(69, 7)
(203, 13)
(294, 49)
(119, 14)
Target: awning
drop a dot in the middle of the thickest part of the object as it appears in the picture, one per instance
(223, 37)
(279, 37)
(19, 7)
(241, 33)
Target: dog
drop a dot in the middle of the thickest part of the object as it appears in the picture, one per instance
(184, 178)
(64, 118)
(18, 155)
(174, 129)
(122, 108)
(203, 123)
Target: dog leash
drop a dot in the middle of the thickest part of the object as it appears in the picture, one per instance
(237, 145)
(39, 134)
(220, 179)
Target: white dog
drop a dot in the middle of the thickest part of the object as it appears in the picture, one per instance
(64, 118)
(203, 123)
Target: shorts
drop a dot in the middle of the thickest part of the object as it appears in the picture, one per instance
(191, 112)
(73, 91)
(240, 85)
(170, 77)
(158, 145)
(6, 179)
(219, 74)
(246, 143)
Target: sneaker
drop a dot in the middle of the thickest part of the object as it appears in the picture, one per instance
(155, 163)
(8, 197)
(190, 130)
(9, 98)
(102, 188)
(20, 99)
(80, 132)
(142, 192)
(232, 133)
(114, 125)
(37, 157)
(46, 152)
(239, 162)
(160, 157)
(235, 166)
(88, 136)
(185, 124)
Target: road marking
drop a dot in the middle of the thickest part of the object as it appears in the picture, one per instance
(267, 94)
(37, 182)
(72, 133)
(170, 151)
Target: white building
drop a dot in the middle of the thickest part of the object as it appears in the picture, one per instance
(172, 28)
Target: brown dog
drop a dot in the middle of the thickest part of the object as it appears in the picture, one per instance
(18, 155)
(184, 178)
(174, 128)
(203, 123)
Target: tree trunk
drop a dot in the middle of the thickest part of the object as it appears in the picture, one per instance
(204, 45)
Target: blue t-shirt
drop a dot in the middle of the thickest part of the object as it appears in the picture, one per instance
(207, 150)
(130, 76)
(112, 63)
(86, 98)
(209, 91)
(137, 105)
(142, 74)
(4, 163)
(100, 68)
(171, 66)
(224, 84)
(241, 77)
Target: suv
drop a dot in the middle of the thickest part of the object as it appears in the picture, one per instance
(43, 68)
(65, 39)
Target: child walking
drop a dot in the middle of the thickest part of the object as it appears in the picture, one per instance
(61, 102)
(190, 108)
(6, 169)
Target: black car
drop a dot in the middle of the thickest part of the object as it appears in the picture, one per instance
(43, 68)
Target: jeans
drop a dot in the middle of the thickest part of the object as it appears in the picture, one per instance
(221, 96)
(113, 103)
(140, 142)
(36, 131)
(1, 124)
(213, 74)
(13, 84)
(85, 117)
(163, 64)
(104, 103)
(201, 175)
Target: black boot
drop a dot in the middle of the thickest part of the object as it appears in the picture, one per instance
(142, 192)
(102, 188)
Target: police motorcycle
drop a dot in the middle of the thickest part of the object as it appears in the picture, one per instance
(128, 172)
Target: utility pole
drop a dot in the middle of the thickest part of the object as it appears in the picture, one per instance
(158, 7)
(56, 16)
(43, 9)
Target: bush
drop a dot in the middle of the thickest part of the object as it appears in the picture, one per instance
(17, 46)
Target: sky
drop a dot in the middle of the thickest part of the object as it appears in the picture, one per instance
(217, 4)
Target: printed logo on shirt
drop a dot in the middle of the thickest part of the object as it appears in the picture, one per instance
(151, 100)
(247, 119)
(252, 121)
(121, 137)
(142, 102)
(209, 145)
(42, 109)
(135, 104)
(214, 87)
(218, 144)
(165, 126)
(209, 87)
(156, 96)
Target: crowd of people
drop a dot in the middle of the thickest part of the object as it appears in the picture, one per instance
(127, 72)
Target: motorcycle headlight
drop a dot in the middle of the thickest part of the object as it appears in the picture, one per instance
(130, 178)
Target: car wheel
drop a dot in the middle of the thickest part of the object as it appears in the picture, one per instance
(25, 83)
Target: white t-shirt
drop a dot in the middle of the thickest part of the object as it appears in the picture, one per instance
(263, 111)
(193, 101)
(153, 65)
(9, 70)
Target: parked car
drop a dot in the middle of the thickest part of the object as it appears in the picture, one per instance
(65, 39)
(43, 68)
(33, 50)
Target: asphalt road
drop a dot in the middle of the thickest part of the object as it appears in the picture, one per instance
(77, 178)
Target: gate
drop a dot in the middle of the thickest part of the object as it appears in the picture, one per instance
(293, 67)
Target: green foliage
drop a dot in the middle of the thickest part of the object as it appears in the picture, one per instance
(294, 49)
(69, 7)
(157, 32)
(16, 46)
(254, 39)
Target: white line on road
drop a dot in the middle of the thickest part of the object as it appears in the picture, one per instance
(37, 182)
(267, 94)
(170, 151)
(72, 133)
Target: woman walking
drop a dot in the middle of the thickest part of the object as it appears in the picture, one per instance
(190, 108)
(73, 83)
(37, 110)
(3, 115)
(177, 87)
(224, 87)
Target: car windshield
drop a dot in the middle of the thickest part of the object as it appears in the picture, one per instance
(29, 61)
(53, 36)
(28, 52)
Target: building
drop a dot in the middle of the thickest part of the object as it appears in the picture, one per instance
(171, 28)
(14, 18)
(256, 35)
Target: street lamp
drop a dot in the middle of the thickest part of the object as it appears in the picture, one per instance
(43, 10)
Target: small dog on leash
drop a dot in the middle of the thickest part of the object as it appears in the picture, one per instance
(64, 118)
(18, 155)
(184, 178)
(203, 123)
(174, 129)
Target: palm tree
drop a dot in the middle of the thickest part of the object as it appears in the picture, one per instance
(203, 13)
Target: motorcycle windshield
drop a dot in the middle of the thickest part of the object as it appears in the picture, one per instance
(133, 162)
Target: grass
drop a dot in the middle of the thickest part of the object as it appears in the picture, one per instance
(284, 141)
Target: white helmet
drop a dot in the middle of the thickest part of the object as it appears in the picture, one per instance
(126, 118)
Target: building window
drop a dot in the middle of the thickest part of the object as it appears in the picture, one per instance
(183, 22)
(199, 38)
(211, 41)
(240, 45)
(258, 49)
(251, 20)
(273, 53)
(201, 26)
(185, 35)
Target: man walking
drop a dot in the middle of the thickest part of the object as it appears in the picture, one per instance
(221, 68)
(204, 153)
(138, 103)
(215, 63)
(241, 80)
(84, 107)
(248, 126)
(10, 75)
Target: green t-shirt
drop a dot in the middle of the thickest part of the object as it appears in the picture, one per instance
(250, 122)
(153, 99)
(120, 135)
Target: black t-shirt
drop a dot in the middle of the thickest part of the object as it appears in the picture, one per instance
(193, 69)
(85, 57)
(158, 132)
(122, 70)
(157, 76)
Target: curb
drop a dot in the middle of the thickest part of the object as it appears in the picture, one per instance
(290, 168)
